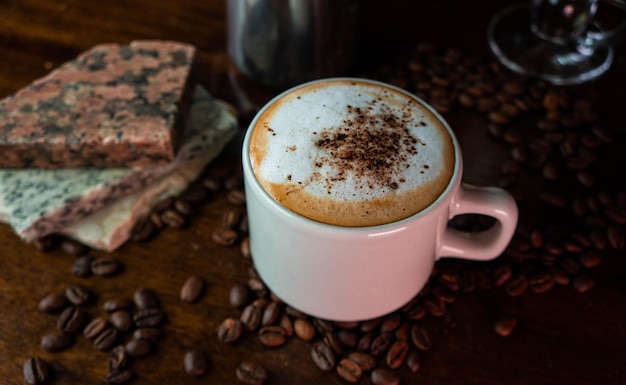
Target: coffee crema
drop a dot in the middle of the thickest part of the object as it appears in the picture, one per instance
(351, 152)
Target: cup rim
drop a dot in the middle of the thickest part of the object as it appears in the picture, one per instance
(252, 181)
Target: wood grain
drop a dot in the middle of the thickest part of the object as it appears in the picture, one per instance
(562, 337)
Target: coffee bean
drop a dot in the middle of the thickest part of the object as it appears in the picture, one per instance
(590, 259)
(73, 247)
(381, 344)
(148, 334)
(516, 285)
(224, 237)
(502, 274)
(173, 219)
(284, 321)
(229, 330)
(251, 373)
(414, 361)
(82, 266)
(46, 243)
(333, 342)
(148, 317)
(145, 298)
(365, 342)
(239, 295)
(144, 230)
(323, 356)
(115, 304)
(541, 282)
(616, 237)
(118, 358)
(391, 322)
(36, 371)
(122, 320)
(349, 370)
(71, 319)
(505, 325)
(231, 219)
(95, 327)
(195, 363)
(270, 313)
(106, 339)
(191, 289)
(137, 348)
(397, 354)
(78, 295)
(272, 336)
(420, 337)
(583, 283)
(382, 376)
(251, 317)
(212, 184)
(237, 197)
(348, 338)
(304, 329)
(244, 247)
(365, 360)
(118, 377)
(183, 207)
(53, 303)
(56, 341)
(105, 266)
(434, 306)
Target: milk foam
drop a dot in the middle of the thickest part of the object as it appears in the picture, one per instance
(351, 153)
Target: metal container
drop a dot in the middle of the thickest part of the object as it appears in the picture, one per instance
(280, 43)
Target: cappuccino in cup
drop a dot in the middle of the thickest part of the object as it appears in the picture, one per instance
(350, 185)
(351, 153)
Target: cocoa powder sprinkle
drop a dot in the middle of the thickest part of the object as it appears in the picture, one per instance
(372, 146)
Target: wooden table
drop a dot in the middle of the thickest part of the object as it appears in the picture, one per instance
(562, 336)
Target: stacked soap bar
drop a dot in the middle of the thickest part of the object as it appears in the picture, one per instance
(112, 106)
(94, 146)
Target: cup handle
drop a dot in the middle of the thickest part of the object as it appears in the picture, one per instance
(612, 36)
(483, 245)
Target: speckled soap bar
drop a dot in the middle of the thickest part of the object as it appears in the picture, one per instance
(113, 106)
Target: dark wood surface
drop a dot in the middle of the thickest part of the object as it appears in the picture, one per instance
(562, 336)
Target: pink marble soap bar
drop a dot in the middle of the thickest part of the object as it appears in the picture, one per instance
(112, 106)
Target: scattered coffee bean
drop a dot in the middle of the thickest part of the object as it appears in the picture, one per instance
(122, 320)
(73, 247)
(272, 336)
(420, 337)
(381, 344)
(229, 330)
(72, 319)
(148, 317)
(53, 303)
(105, 266)
(36, 371)
(118, 358)
(118, 377)
(95, 327)
(323, 356)
(397, 354)
(145, 298)
(365, 360)
(148, 334)
(115, 304)
(382, 376)
(251, 373)
(236, 197)
(78, 295)
(173, 219)
(505, 325)
(224, 237)
(251, 317)
(195, 363)
(82, 266)
(191, 289)
(239, 295)
(414, 361)
(137, 348)
(583, 283)
(304, 329)
(107, 339)
(349, 370)
(56, 341)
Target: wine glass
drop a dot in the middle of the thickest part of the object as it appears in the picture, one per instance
(556, 40)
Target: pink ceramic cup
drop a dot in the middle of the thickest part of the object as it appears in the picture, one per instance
(357, 273)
